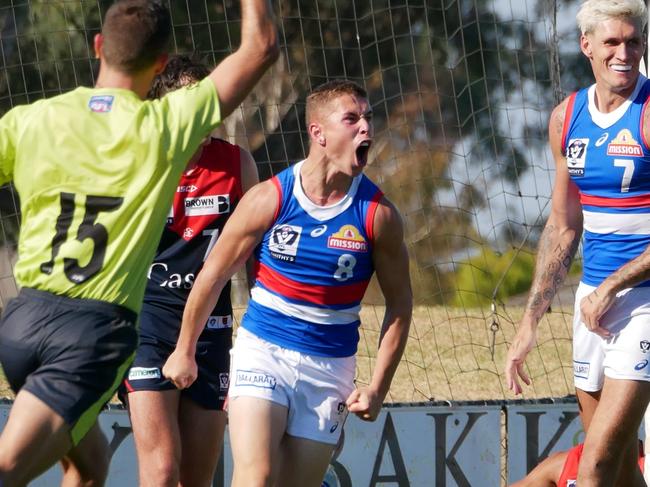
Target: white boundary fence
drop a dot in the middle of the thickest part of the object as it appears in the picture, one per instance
(409, 445)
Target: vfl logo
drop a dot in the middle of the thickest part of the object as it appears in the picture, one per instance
(101, 103)
(601, 140)
(624, 145)
(576, 154)
(641, 365)
(645, 345)
(340, 407)
(224, 380)
(283, 243)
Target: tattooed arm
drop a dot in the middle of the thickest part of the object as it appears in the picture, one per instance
(555, 252)
(594, 305)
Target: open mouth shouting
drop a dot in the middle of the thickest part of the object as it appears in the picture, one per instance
(362, 152)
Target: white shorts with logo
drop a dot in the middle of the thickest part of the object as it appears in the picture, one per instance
(626, 354)
(314, 389)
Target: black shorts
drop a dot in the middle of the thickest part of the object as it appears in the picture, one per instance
(212, 358)
(70, 353)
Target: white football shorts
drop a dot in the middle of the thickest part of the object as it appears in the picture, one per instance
(314, 389)
(626, 354)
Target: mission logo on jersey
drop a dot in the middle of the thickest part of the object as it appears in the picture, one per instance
(216, 204)
(348, 238)
(283, 243)
(624, 145)
(576, 154)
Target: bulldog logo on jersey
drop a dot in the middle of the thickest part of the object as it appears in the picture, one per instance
(624, 145)
(348, 238)
(283, 243)
(576, 154)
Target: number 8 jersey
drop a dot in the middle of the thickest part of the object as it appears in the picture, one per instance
(313, 267)
(608, 159)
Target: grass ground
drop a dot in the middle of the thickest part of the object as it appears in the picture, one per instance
(457, 354)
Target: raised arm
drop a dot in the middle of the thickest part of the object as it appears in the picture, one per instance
(241, 234)
(391, 263)
(557, 247)
(238, 73)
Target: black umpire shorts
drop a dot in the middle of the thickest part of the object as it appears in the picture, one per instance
(71, 353)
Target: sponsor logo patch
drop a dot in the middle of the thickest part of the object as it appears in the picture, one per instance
(101, 103)
(318, 231)
(186, 189)
(602, 139)
(571, 483)
(576, 154)
(348, 238)
(624, 145)
(641, 365)
(255, 379)
(224, 380)
(140, 373)
(216, 204)
(219, 322)
(283, 243)
(581, 369)
(334, 426)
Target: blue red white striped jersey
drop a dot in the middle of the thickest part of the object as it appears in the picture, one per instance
(313, 267)
(608, 159)
(203, 201)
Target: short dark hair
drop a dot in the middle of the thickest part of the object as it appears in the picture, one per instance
(181, 70)
(136, 33)
(328, 91)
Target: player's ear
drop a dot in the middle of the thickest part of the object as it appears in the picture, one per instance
(160, 63)
(316, 133)
(98, 44)
(585, 46)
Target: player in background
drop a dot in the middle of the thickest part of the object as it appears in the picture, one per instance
(96, 170)
(179, 434)
(599, 139)
(319, 230)
(561, 469)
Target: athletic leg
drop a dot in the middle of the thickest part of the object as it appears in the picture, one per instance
(33, 439)
(303, 462)
(257, 428)
(201, 432)
(154, 419)
(610, 452)
(86, 465)
(587, 403)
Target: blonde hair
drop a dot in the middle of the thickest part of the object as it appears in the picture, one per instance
(325, 93)
(593, 12)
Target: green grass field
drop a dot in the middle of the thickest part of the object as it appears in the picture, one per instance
(453, 355)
